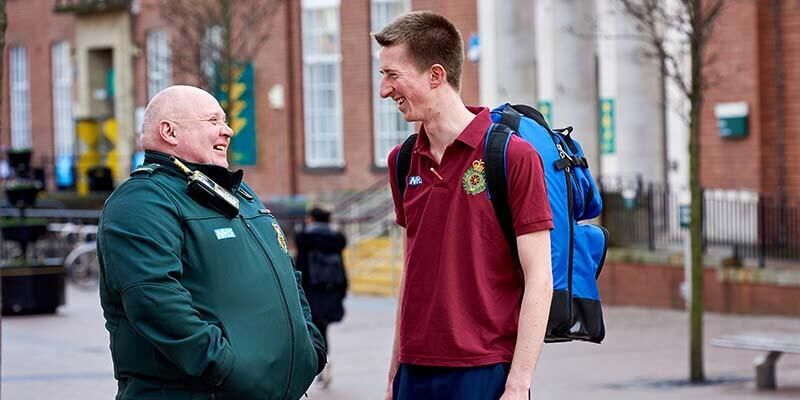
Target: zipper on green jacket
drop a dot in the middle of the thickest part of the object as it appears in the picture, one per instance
(283, 298)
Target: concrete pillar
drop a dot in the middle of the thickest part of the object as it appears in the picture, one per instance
(631, 117)
(678, 109)
(567, 75)
(507, 55)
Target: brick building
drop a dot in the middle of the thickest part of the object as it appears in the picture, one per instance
(52, 63)
(755, 67)
(320, 127)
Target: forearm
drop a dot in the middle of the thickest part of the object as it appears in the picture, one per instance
(393, 364)
(533, 317)
(534, 255)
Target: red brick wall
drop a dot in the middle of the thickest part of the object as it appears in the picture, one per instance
(733, 76)
(356, 75)
(790, 27)
(659, 286)
(790, 24)
(32, 24)
(464, 14)
(744, 45)
(271, 174)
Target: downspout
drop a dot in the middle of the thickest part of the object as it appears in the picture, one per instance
(291, 123)
(779, 106)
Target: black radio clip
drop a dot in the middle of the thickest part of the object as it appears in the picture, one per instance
(207, 192)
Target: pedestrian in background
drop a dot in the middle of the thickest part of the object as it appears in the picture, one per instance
(319, 259)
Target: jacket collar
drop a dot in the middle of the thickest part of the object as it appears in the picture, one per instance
(222, 176)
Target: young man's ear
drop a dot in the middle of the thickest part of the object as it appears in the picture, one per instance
(438, 76)
(167, 132)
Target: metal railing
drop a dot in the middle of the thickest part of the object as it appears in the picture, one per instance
(747, 224)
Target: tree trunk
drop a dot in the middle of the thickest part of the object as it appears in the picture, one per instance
(696, 373)
(228, 63)
(3, 24)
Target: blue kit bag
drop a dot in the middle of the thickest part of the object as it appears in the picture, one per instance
(577, 250)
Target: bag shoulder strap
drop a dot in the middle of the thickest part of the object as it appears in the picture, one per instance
(497, 139)
(404, 162)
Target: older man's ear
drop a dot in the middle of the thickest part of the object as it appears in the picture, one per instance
(167, 132)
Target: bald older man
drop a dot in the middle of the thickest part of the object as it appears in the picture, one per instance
(197, 286)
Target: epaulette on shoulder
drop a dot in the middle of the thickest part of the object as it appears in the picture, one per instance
(145, 169)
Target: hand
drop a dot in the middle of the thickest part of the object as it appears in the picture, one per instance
(389, 393)
(514, 394)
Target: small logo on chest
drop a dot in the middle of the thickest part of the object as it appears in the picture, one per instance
(281, 237)
(474, 179)
(224, 233)
(415, 180)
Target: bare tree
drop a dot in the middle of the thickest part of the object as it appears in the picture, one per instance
(677, 31)
(214, 38)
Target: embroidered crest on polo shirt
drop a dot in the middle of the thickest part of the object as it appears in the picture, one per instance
(474, 179)
(281, 237)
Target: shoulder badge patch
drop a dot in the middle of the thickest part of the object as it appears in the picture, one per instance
(281, 237)
(474, 179)
(145, 169)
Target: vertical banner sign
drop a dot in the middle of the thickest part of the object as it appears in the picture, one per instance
(546, 108)
(607, 126)
(241, 113)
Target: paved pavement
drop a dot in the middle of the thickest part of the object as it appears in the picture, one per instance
(644, 356)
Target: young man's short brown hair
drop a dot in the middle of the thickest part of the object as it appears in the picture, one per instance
(430, 39)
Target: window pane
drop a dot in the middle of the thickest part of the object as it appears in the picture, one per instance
(20, 98)
(390, 127)
(159, 62)
(322, 83)
(63, 125)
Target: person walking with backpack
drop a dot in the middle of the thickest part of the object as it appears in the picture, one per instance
(471, 316)
(319, 259)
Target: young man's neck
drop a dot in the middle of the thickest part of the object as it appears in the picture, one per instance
(449, 119)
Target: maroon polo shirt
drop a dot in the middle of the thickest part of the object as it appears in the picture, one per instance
(462, 292)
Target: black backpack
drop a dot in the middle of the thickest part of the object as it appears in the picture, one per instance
(326, 270)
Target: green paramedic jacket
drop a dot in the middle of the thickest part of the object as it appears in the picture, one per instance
(199, 306)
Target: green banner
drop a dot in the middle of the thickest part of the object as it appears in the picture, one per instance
(607, 127)
(546, 108)
(241, 114)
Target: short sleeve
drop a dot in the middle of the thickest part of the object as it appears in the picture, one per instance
(527, 190)
(400, 215)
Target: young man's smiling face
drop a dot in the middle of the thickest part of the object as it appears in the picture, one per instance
(404, 83)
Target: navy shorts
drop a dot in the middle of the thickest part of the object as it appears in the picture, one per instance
(416, 382)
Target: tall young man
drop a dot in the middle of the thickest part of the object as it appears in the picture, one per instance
(471, 318)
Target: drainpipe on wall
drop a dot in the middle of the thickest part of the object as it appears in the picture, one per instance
(290, 105)
(779, 109)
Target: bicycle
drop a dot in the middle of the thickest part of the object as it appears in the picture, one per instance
(81, 265)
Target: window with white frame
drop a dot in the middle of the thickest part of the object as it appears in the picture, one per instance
(211, 52)
(159, 62)
(322, 85)
(63, 125)
(389, 126)
(20, 97)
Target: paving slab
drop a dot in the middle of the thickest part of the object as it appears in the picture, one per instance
(645, 356)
